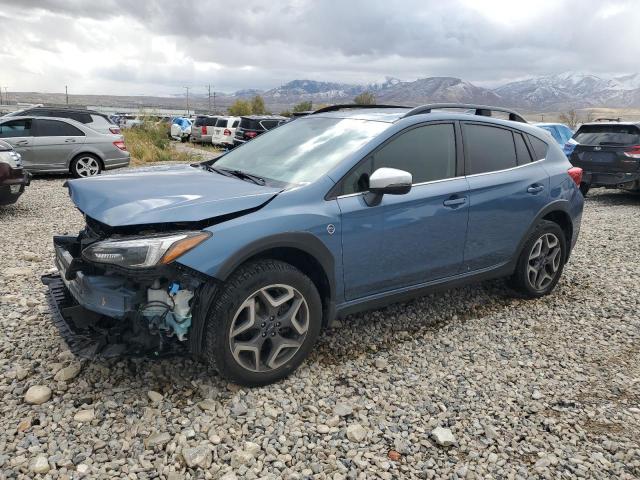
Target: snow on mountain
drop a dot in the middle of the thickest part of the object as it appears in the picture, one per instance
(551, 92)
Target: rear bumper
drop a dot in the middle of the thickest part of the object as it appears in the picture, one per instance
(117, 162)
(610, 179)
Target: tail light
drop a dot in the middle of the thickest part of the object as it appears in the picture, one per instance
(204, 129)
(250, 134)
(576, 175)
(115, 130)
(633, 152)
(227, 132)
(120, 144)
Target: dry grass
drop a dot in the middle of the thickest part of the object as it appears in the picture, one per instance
(150, 143)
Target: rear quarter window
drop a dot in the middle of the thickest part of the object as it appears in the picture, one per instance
(539, 147)
(99, 121)
(522, 152)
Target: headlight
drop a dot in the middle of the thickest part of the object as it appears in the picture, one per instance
(12, 158)
(144, 252)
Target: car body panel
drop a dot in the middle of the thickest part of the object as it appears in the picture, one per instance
(377, 240)
(165, 195)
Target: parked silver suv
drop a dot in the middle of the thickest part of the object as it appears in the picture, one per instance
(61, 145)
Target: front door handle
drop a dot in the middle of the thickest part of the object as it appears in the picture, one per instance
(22, 142)
(454, 202)
(535, 188)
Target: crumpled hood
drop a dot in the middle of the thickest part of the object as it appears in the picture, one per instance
(165, 194)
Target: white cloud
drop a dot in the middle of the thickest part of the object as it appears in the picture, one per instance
(156, 47)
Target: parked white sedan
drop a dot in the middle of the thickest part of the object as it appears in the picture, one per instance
(224, 131)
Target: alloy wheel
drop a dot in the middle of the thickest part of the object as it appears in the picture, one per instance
(544, 261)
(269, 328)
(87, 167)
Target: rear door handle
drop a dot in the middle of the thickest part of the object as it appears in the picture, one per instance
(70, 140)
(535, 188)
(454, 202)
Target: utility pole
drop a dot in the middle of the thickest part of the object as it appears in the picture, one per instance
(214, 100)
(209, 88)
(187, 89)
(541, 117)
(6, 96)
(66, 94)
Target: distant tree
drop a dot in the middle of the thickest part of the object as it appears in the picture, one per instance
(303, 107)
(239, 108)
(570, 118)
(257, 105)
(365, 98)
(285, 113)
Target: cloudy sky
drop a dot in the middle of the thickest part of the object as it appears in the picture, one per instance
(157, 47)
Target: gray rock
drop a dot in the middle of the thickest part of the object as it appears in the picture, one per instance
(40, 464)
(154, 396)
(68, 373)
(199, 456)
(342, 410)
(85, 416)
(443, 436)
(356, 433)
(37, 395)
(157, 439)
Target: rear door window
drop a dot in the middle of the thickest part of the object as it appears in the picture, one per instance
(488, 148)
(427, 152)
(55, 128)
(608, 135)
(539, 147)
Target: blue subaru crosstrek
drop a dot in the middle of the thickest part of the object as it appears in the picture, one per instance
(241, 261)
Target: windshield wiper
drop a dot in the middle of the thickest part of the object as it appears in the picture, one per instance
(247, 176)
(238, 174)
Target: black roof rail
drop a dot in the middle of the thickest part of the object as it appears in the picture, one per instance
(334, 108)
(482, 110)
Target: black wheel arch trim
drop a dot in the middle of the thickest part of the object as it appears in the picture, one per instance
(304, 241)
(555, 206)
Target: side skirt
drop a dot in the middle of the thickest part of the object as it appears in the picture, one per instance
(386, 298)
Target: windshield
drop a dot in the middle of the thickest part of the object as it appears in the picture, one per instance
(607, 135)
(301, 151)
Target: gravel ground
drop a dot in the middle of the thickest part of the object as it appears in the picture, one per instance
(467, 384)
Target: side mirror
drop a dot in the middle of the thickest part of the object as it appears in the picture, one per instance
(389, 181)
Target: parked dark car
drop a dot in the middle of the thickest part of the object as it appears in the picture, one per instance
(609, 155)
(13, 178)
(243, 260)
(97, 121)
(253, 125)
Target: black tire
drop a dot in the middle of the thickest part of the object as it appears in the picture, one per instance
(584, 188)
(521, 281)
(243, 285)
(85, 165)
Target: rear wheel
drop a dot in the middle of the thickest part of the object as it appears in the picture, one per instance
(584, 188)
(263, 323)
(85, 165)
(541, 261)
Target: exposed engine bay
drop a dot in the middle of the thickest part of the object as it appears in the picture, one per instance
(115, 296)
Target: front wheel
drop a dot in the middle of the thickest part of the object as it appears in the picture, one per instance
(541, 261)
(263, 323)
(85, 166)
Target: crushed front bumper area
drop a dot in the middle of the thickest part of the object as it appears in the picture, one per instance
(101, 313)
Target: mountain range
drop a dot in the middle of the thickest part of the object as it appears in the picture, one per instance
(548, 93)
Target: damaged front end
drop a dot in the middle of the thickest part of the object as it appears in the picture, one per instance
(122, 294)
